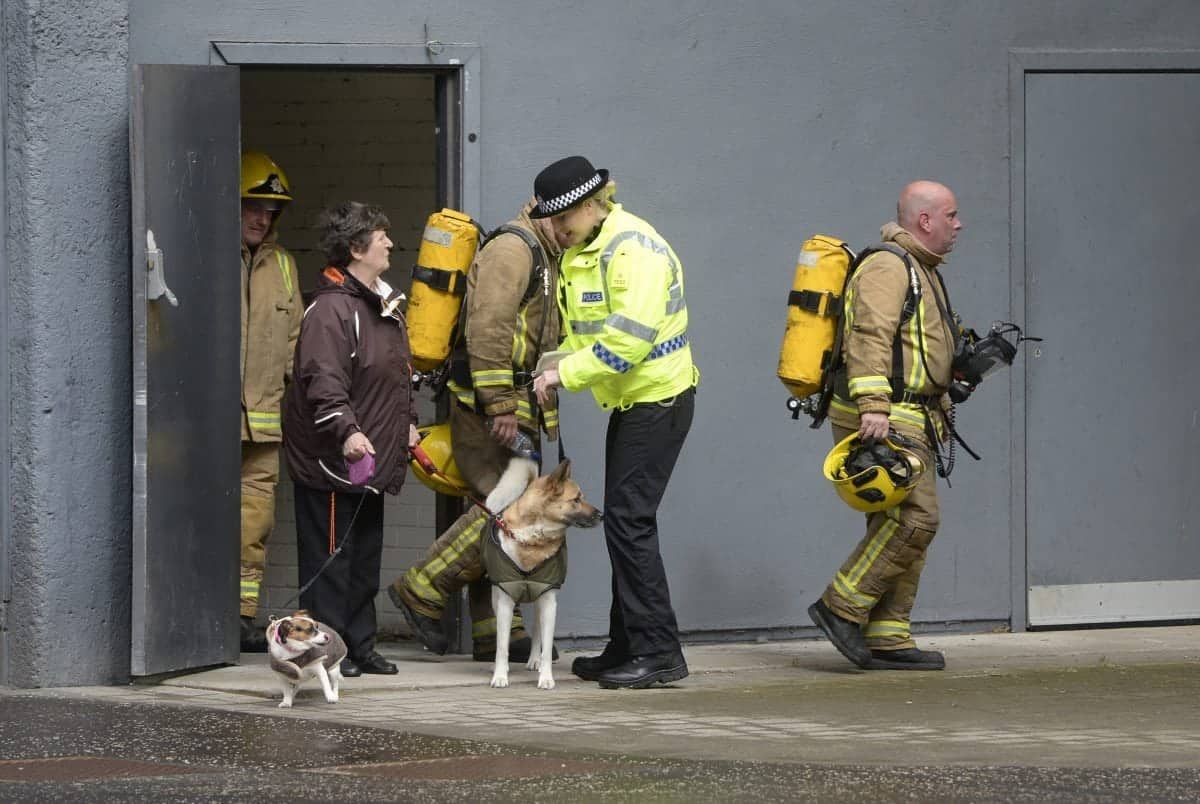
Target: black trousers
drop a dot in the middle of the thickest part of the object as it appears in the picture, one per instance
(344, 596)
(642, 446)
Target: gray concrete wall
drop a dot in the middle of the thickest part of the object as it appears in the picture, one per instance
(5, 417)
(69, 341)
(736, 130)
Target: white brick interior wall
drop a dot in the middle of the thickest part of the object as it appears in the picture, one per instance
(348, 135)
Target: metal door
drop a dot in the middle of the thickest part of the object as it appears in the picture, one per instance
(1113, 423)
(184, 153)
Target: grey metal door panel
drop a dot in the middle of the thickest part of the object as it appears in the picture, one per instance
(184, 151)
(1113, 426)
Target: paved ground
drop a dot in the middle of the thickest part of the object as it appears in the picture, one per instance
(1094, 715)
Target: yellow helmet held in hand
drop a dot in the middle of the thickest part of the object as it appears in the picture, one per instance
(876, 476)
(264, 180)
(433, 461)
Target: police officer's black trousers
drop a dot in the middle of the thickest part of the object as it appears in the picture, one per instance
(344, 596)
(642, 446)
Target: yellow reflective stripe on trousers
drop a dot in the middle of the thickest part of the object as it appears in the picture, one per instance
(851, 593)
(421, 580)
(847, 583)
(887, 628)
(260, 420)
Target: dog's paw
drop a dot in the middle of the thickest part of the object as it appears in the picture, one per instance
(285, 704)
(534, 663)
(545, 681)
(331, 698)
(500, 680)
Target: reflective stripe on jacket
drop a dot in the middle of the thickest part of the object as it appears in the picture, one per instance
(504, 333)
(624, 317)
(874, 300)
(271, 313)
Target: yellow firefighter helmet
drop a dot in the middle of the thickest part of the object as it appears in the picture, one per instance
(876, 476)
(264, 180)
(438, 471)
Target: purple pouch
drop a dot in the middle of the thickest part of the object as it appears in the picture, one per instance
(361, 470)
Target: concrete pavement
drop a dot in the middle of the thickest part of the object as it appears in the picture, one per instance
(1115, 710)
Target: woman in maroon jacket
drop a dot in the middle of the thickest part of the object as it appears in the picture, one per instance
(349, 418)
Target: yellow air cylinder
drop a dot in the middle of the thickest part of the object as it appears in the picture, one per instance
(439, 281)
(814, 307)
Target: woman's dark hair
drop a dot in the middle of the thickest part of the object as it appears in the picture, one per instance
(347, 225)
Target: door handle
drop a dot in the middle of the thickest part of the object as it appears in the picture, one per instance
(156, 281)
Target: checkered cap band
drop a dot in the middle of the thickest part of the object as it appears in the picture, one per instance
(568, 199)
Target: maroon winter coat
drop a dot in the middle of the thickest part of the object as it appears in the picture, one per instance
(352, 371)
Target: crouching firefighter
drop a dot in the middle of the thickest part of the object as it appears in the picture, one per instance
(509, 319)
(897, 346)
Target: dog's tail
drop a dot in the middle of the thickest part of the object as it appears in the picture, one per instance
(517, 476)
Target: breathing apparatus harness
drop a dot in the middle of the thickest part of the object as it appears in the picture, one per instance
(975, 357)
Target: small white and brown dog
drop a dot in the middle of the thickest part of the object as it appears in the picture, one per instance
(301, 648)
(525, 559)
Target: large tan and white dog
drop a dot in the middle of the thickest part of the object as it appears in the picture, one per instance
(301, 648)
(532, 539)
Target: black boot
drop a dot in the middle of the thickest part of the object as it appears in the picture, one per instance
(427, 630)
(253, 639)
(589, 668)
(907, 659)
(845, 635)
(640, 672)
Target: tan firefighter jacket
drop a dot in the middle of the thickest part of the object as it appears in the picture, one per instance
(271, 313)
(505, 335)
(874, 302)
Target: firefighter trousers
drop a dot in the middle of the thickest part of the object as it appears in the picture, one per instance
(877, 585)
(454, 559)
(260, 474)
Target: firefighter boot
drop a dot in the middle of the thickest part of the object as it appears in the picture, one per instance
(845, 635)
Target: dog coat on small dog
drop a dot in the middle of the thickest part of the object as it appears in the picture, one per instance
(300, 648)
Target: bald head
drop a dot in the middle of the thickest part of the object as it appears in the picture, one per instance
(929, 211)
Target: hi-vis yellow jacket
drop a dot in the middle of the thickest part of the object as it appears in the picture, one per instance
(271, 313)
(624, 316)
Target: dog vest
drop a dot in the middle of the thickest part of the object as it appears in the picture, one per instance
(521, 586)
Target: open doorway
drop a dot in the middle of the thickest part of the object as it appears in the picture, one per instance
(363, 135)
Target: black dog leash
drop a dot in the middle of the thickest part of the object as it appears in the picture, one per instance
(332, 556)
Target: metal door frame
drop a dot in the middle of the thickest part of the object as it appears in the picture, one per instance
(455, 67)
(456, 63)
(1021, 62)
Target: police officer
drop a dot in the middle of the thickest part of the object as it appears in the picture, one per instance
(271, 312)
(625, 326)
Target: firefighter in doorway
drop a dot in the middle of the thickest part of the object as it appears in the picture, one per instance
(271, 312)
